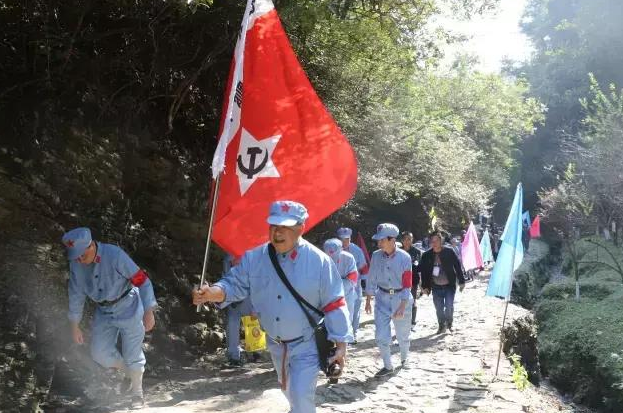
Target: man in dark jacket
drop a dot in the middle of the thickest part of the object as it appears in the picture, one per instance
(441, 271)
(407, 245)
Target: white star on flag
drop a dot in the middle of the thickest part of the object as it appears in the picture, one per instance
(254, 159)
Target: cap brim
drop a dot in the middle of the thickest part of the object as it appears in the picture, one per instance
(75, 253)
(284, 221)
(377, 237)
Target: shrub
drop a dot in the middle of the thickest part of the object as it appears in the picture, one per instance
(580, 348)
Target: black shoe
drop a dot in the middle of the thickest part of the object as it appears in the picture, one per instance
(441, 330)
(256, 357)
(384, 372)
(233, 364)
(405, 365)
(450, 328)
(137, 402)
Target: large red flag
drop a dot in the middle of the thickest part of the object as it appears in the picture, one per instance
(277, 141)
(535, 228)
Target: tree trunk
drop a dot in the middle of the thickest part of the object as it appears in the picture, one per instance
(577, 291)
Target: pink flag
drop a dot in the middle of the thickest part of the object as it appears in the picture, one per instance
(535, 229)
(470, 250)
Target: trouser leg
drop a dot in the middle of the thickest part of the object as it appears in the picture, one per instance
(232, 332)
(449, 302)
(438, 301)
(403, 329)
(302, 382)
(414, 307)
(350, 304)
(297, 369)
(357, 309)
(383, 335)
(104, 343)
(132, 333)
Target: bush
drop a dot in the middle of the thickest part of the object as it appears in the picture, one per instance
(595, 290)
(580, 346)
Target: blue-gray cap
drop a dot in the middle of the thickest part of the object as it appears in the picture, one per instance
(344, 232)
(287, 213)
(332, 247)
(385, 231)
(76, 241)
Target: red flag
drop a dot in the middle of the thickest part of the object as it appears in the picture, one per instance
(278, 140)
(535, 228)
(362, 244)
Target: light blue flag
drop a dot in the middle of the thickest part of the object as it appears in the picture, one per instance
(526, 218)
(510, 255)
(485, 247)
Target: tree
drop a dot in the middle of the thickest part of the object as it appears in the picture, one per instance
(571, 39)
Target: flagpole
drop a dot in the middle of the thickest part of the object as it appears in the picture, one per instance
(510, 288)
(215, 192)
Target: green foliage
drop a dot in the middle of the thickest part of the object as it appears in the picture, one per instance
(571, 40)
(379, 77)
(533, 273)
(576, 344)
(520, 375)
(590, 290)
(580, 342)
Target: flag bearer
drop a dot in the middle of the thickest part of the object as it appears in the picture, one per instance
(389, 281)
(125, 305)
(345, 234)
(347, 270)
(314, 276)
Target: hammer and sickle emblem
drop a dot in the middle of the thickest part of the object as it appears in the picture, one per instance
(252, 169)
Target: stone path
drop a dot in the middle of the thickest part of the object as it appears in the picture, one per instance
(449, 373)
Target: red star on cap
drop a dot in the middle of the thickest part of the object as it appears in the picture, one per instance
(285, 208)
(69, 243)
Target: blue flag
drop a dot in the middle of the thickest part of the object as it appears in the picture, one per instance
(510, 255)
(485, 247)
(526, 218)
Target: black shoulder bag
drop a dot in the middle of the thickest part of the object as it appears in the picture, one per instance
(320, 330)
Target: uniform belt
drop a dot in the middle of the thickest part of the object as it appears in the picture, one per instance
(278, 340)
(109, 303)
(391, 291)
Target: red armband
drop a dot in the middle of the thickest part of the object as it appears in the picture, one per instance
(364, 270)
(334, 305)
(139, 278)
(352, 276)
(407, 279)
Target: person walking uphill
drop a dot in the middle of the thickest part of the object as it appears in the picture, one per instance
(347, 270)
(345, 235)
(414, 253)
(290, 336)
(125, 305)
(389, 281)
(441, 271)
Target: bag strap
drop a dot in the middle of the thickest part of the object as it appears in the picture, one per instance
(302, 302)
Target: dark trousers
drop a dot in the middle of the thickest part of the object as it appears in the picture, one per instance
(443, 298)
(414, 311)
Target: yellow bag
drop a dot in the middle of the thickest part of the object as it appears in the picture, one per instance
(254, 336)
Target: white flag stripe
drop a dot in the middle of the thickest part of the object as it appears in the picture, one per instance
(254, 9)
